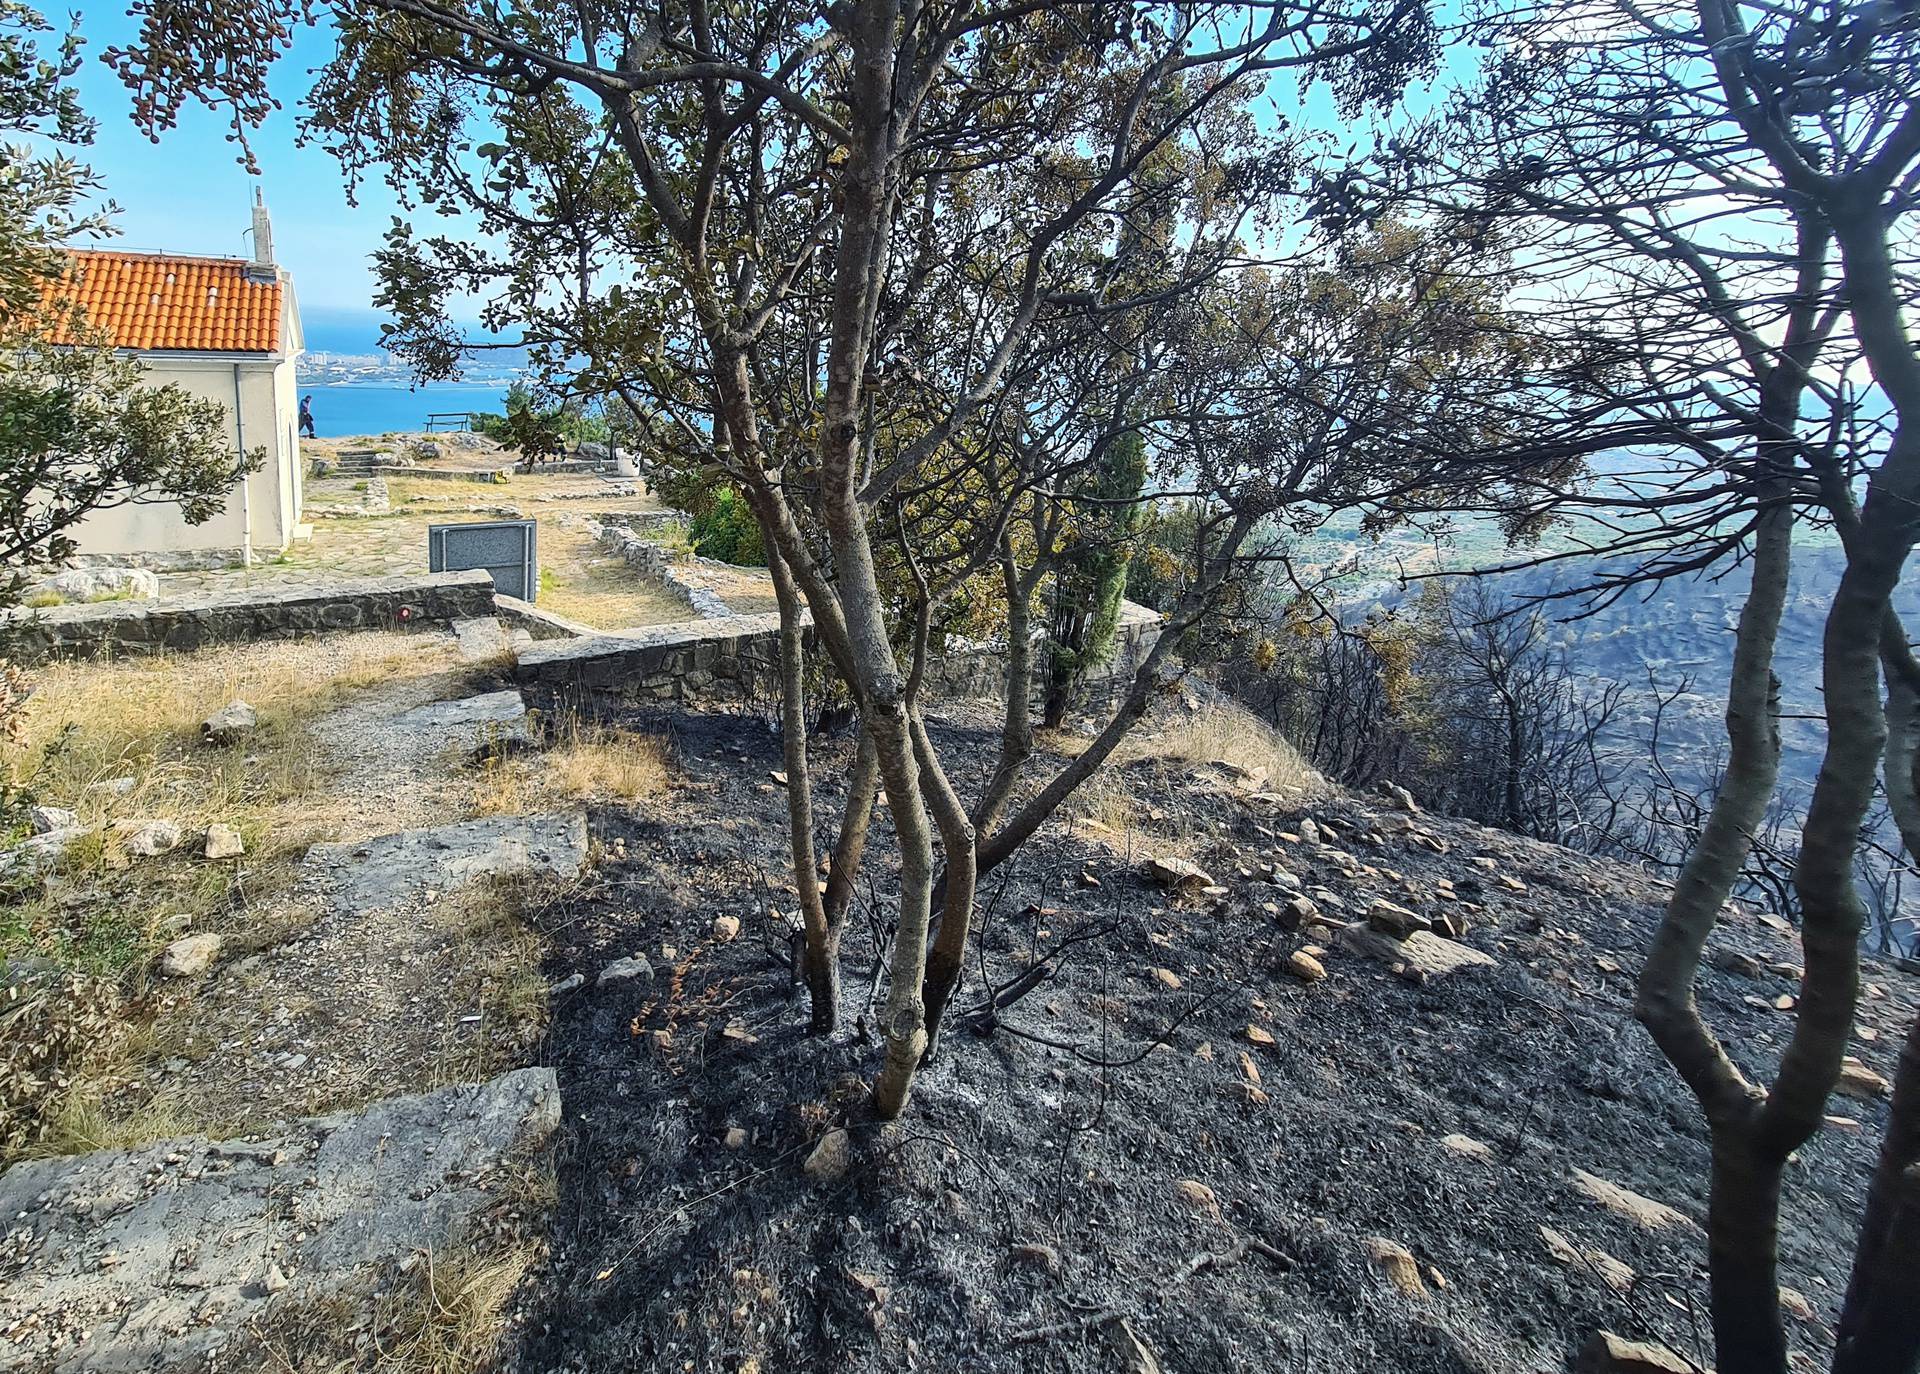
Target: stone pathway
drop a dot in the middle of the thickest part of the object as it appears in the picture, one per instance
(382, 991)
(157, 1258)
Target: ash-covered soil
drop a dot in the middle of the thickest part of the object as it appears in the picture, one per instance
(1098, 1183)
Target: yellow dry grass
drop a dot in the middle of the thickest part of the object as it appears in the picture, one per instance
(1225, 733)
(584, 763)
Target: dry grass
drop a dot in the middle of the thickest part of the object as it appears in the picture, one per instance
(442, 1313)
(1230, 734)
(498, 976)
(122, 741)
(450, 1321)
(104, 913)
(583, 763)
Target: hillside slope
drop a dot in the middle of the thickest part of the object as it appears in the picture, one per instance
(1175, 1153)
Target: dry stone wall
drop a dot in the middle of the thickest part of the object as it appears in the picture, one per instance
(185, 623)
(737, 656)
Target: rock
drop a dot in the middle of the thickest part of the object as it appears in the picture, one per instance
(1308, 830)
(1797, 1305)
(625, 970)
(1177, 875)
(147, 838)
(390, 869)
(42, 853)
(1606, 1353)
(229, 724)
(1132, 1354)
(492, 721)
(1451, 923)
(1400, 797)
(1467, 1147)
(223, 842)
(1167, 978)
(1259, 1035)
(1298, 910)
(481, 639)
(98, 584)
(1390, 918)
(1644, 1211)
(1562, 1249)
(1398, 1264)
(1305, 967)
(188, 1218)
(1615, 1275)
(46, 819)
(726, 928)
(1857, 1080)
(830, 1158)
(735, 1138)
(275, 1279)
(1735, 962)
(1043, 1257)
(1422, 954)
(191, 955)
(1197, 1196)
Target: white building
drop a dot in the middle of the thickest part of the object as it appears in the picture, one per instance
(224, 328)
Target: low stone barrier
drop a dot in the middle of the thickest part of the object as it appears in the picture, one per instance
(184, 623)
(730, 656)
(738, 656)
(657, 563)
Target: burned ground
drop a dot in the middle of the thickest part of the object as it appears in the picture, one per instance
(1036, 1208)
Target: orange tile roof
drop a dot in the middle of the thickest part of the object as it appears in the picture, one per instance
(155, 301)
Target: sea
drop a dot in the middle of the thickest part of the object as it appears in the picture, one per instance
(385, 404)
(347, 408)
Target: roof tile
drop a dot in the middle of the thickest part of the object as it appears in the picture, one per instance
(163, 301)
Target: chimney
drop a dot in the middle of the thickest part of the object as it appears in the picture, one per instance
(261, 268)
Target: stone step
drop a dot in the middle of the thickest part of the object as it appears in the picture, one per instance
(159, 1257)
(492, 719)
(390, 870)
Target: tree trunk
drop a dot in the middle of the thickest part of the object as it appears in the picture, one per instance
(863, 789)
(858, 276)
(1016, 726)
(1665, 1001)
(1879, 1331)
(822, 937)
(946, 960)
(1743, 1237)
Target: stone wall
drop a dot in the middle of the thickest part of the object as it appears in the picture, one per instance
(734, 656)
(657, 563)
(737, 656)
(183, 623)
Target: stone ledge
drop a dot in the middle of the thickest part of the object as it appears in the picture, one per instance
(181, 623)
(157, 1257)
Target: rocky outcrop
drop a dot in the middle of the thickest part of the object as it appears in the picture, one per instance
(156, 1258)
(81, 585)
(390, 869)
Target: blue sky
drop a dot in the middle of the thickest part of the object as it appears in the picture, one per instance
(190, 194)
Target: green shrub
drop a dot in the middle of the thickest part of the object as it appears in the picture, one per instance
(725, 529)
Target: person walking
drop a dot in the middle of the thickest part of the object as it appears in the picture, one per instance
(306, 417)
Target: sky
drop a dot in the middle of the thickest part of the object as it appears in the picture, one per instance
(190, 194)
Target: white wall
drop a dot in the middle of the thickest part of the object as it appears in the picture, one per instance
(259, 519)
